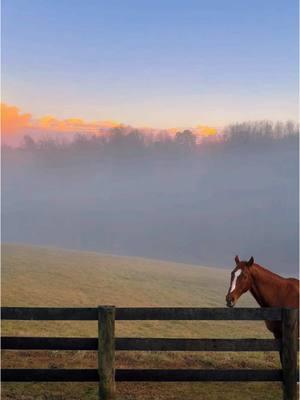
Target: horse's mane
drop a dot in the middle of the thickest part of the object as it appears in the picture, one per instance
(267, 271)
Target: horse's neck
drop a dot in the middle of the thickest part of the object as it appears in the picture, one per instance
(264, 285)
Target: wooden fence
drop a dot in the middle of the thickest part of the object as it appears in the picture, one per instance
(107, 344)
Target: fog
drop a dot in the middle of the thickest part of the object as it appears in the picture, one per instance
(170, 198)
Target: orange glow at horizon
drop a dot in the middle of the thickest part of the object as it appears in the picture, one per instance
(73, 124)
(12, 121)
(206, 130)
(15, 124)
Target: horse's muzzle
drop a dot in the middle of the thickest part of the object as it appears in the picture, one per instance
(230, 301)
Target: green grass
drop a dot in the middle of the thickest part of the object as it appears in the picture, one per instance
(37, 276)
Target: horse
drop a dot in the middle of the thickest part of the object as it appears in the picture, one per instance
(268, 289)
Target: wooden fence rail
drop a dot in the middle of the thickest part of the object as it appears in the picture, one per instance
(142, 314)
(106, 344)
(144, 344)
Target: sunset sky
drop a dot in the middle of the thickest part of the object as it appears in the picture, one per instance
(160, 64)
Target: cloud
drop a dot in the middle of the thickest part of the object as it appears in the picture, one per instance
(72, 125)
(12, 121)
(15, 124)
(204, 130)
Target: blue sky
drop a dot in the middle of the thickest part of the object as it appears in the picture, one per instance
(155, 63)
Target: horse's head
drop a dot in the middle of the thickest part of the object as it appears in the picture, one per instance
(240, 281)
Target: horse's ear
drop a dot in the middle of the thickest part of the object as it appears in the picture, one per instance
(250, 262)
(237, 260)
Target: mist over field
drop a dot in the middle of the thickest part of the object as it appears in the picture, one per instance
(173, 198)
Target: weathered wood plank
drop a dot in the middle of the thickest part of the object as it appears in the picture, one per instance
(197, 375)
(137, 313)
(42, 343)
(289, 354)
(140, 344)
(157, 344)
(49, 375)
(106, 352)
(181, 313)
(144, 375)
(49, 314)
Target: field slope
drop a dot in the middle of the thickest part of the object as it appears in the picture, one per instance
(40, 276)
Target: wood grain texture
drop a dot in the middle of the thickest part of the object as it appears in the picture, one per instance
(106, 352)
(290, 323)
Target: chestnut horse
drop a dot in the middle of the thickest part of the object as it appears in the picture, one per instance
(268, 289)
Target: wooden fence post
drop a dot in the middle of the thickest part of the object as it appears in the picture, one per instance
(106, 352)
(289, 352)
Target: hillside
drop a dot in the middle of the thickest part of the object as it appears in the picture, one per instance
(40, 276)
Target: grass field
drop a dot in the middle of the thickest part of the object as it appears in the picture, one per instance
(37, 276)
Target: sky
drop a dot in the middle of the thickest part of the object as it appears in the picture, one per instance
(159, 64)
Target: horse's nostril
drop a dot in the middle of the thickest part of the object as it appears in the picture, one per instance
(229, 301)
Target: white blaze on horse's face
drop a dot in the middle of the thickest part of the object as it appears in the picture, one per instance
(236, 275)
